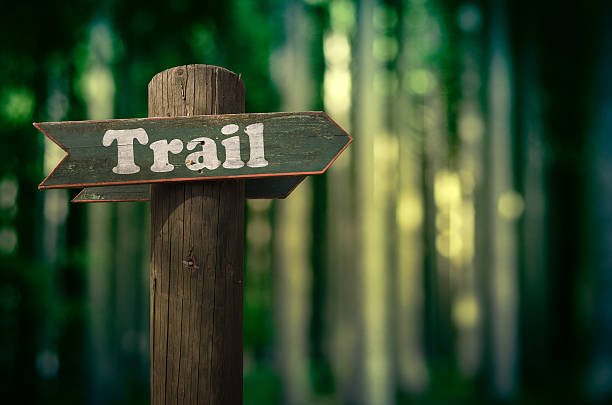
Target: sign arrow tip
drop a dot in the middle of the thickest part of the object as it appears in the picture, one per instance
(38, 126)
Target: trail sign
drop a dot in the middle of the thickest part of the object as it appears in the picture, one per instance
(151, 150)
(258, 187)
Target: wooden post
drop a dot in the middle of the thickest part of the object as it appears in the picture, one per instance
(197, 257)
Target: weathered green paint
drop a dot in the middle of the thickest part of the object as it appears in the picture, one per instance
(299, 143)
(258, 187)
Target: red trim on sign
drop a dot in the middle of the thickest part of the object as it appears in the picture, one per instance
(123, 183)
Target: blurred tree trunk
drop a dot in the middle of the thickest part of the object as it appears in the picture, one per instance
(599, 375)
(131, 292)
(293, 271)
(101, 326)
(534, 280)
(440, 190)
(56, 246)
(408, 121)
(468, 308)
(506, 205)
(343, 312)
(98, 88)
(372, 148)
(566, 108)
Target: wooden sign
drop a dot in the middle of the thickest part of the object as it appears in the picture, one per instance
(150, 150)
(258, 187)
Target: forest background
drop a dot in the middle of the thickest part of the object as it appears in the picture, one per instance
(459, 251)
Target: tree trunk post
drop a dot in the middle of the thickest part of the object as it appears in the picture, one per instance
(197, 257)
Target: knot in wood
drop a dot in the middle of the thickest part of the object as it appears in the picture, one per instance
(190, 263)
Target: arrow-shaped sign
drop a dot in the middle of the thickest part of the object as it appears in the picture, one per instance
(258, 187)
(149, 150)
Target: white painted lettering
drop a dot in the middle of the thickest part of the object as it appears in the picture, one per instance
(125, 147)
(232, 153)
(197, 160)
(205, 158)
(256, 143)
(229, 129)
(160, 150)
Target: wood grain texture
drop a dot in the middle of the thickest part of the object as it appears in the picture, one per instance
(197, 255)
(299, 143)
(259, 187)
